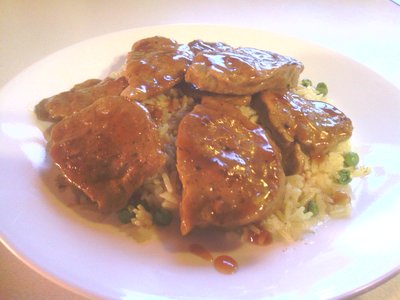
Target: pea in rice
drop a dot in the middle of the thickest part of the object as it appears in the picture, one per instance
(310, 198)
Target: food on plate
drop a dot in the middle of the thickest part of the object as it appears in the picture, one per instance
(107, 150)
(200, 46)
(242, 71)
(315, 126)
(155, 65)
(230, 170)
(212, 135)
(80, 96)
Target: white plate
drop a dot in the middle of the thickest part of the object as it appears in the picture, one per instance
(96, 259)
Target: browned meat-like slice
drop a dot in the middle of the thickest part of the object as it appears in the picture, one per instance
(107, 150)
(200, 46)
(190, 91)
(231, 99)
(154, 65)
(80, 96)
(293, 158)
(242, 71)
(316, 126)
(230, 170)
(85, 84)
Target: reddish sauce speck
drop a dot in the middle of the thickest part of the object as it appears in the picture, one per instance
(225, 264)
(340, 198)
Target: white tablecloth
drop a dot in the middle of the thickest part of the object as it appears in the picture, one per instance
(367, 31)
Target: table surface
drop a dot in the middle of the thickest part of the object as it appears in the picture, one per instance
(367, 31)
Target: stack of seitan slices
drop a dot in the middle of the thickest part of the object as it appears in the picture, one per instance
(232, 170)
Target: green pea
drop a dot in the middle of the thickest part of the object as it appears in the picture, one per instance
(351, 159)
(322, 88)
(126, 214)
(312, 206)
(306, 82)
(162, 217)
(344, 177)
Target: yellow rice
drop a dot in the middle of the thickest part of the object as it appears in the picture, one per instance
(318, 182)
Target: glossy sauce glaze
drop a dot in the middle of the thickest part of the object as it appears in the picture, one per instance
(225, 264)
(155, 65)
(242, 71)
(302, 128)
(317, 126)
(107, 150)
(198, 46)
(78, 97)
(230, 170)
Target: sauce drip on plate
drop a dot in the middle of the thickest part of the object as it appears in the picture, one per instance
(223, 263)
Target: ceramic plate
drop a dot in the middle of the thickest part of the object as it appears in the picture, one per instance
(94, 258)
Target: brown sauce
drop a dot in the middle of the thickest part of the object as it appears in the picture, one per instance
(201, 252)
(223, 263)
